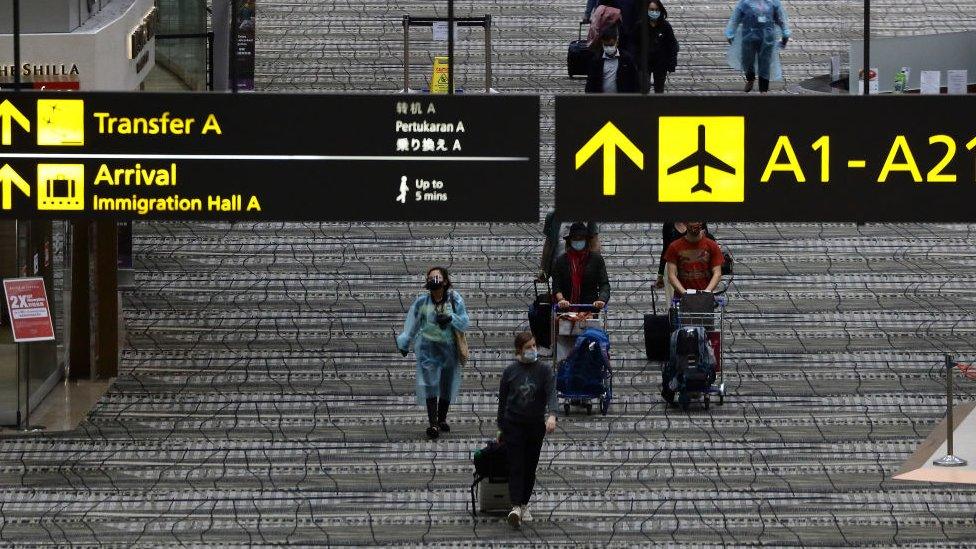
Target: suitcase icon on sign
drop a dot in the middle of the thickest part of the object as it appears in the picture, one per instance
(62, 191)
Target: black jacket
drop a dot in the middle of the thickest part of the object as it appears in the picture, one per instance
(596, 284)
(662, 46)
(626, 73)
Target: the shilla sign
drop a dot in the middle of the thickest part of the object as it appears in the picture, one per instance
(838, 158)
(266, 157)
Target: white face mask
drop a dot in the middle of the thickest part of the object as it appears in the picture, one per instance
(529, 356)
(610, 51)
(578, 245)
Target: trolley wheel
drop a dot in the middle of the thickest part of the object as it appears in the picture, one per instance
(566, 408)
(684, 401)
(667, 395)
(589, 409)
(706, 401)
(604, 405)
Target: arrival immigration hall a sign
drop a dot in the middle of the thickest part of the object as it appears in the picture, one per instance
(789, 158)
(269, 157)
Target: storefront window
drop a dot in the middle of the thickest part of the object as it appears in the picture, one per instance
(185, 57)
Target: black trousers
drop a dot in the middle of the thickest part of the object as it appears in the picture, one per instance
(763, 83)
(660, 77)
(523, 444)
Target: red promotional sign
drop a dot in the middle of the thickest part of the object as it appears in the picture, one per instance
(30, 315)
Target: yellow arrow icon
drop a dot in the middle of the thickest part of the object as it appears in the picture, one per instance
(8, 113)
(610, 138)
(9, 178)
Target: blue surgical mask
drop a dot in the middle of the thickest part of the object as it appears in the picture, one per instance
(578, 245)
(653, 15)
(530, 356)
(610, 51)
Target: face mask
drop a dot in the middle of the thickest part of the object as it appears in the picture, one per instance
(653, 15)
(529, 356)
(578, 245)
(434, 283)
(610, 51)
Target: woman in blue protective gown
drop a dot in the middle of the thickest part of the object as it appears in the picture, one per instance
(754, 40)
(430, 328)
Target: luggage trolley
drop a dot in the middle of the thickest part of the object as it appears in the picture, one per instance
(582, 383)
(707, 311)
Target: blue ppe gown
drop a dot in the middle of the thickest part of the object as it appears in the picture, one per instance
(438, 368)
(756, 39)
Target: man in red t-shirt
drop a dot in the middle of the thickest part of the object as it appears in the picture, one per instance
(694, 261)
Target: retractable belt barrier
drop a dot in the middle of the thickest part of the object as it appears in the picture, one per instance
(411, 21)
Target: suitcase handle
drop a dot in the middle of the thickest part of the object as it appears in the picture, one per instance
(535, 286)
(581, 25)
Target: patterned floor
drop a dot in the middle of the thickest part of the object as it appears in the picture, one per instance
(261, 401)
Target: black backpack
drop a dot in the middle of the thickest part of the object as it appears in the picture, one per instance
(490, 462)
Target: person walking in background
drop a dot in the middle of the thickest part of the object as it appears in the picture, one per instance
(526, 413)
(431, 329)
(612, 70)
(580, 275)
(662, 46)
(672, 230)
(754, 42)
(694, 261)
(551, 229)
(605, 15)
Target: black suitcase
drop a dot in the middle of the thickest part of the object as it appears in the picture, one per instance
(657, 334)
(578, 58)
(540, 316)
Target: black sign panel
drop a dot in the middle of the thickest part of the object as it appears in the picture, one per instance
(269, 157)
(766, 158)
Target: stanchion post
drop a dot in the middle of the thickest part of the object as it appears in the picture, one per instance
(450, 47)
(487, 53)
(949, 460)
(406, 54)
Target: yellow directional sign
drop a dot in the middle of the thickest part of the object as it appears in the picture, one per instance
(8, 179)
(60, 122)
(687, 145)
(609, 138)
(8, 114)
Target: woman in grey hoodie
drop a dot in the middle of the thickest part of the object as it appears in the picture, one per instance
(526, 412)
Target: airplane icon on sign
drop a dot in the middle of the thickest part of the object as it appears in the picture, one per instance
(701, 159)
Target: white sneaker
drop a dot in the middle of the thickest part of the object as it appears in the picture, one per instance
(515, 517)
(526, 515)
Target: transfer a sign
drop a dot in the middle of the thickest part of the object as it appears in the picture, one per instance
(30, 315)
(838, 158)
(265, 157)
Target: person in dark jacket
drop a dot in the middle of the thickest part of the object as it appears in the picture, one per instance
(662, 46)
(580, 275)
(526, 412)
(551, 229)
(612, 70)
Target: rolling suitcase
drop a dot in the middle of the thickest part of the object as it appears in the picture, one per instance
(490, 480)
(578, 58)
(540, 316)
(657, 334)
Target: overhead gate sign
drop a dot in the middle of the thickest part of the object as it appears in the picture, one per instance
(785, 158)
(312, 157)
